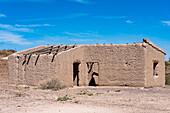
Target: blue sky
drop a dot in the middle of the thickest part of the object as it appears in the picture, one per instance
(28, 23)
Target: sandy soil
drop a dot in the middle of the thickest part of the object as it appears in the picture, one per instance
(27, 99)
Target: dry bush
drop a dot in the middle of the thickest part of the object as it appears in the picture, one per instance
(53, 84)
(18, 94)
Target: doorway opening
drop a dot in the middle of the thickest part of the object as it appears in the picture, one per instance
(76, 74)
(93, 73)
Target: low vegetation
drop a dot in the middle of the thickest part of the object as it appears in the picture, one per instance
(167, 63)
(85, 93)
(167, 80)
(118, 90)
(99, 93)
(167, 76)
(88, 93)
(53, 84)
(6, 52)
(64, 98)
(82, 93)
(18, 94)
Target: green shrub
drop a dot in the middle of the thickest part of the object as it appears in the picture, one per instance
(89, 93)
(167, 63)
(7, 52)
(85, 93)
(4, 53)
(64, 98)
(53, 84)
(82, 93)
(98, 93)
(118, 90)
(11, 50)
(167, 80)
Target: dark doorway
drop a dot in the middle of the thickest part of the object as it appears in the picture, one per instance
(92, 81)
(93, 73)
(76, 74)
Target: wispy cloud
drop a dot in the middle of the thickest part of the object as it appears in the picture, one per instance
(33, 25)
(129, 21)
(72, 38)
(81, 1)
(70, 16)
(84, 37)
(51, 40)
(109, 17)
(88, 34)
(2, 15)
(12, 38)
(26, 0)
(12, 28)
(81, 40)
(74, 16)
(166, 22)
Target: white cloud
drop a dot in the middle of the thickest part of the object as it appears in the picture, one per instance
(129, 21)
(166, 22)
(70, 16)
(12, 28)
(25, 0)
(2, 15)
(12, 38)
(88, 34)
(109, 17)
(33, 25)
(81, 1)
(81, 40)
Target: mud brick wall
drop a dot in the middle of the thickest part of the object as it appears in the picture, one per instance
(3, 70)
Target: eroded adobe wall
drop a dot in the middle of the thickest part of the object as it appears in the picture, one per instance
(3, 71)
(64, 65)
(13, 69)
(32, 73)
(118, 64)
(153, 54)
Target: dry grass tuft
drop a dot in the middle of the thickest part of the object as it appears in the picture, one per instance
(53, 84)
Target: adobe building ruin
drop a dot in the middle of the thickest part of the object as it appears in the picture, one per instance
(141, 64)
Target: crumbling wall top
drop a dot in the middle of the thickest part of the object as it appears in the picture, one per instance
(154, 45)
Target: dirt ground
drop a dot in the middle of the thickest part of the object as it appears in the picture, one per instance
(29, 99)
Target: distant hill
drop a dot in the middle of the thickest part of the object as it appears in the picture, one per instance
(4, 53)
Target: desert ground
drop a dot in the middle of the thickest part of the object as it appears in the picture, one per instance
(30, 99)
